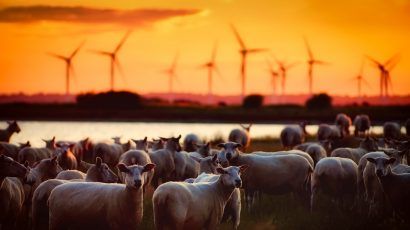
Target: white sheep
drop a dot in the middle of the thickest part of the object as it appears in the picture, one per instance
(137, 157)
(241, 136)
(293, 135)
(33, 155)
(292, 151)
(337, 178)
(369, 144)
(344, 121)
(141, 144)
(317, 152)
(203, 150)
(12, 150)
(98, 205)
(329, 132)
(180, 205)
(326, 144)
(71, 175)
(361, 124)
(185, 166)
(395, 186)
(156, 144)
(5, 134)
(190, 142)
(391, 130)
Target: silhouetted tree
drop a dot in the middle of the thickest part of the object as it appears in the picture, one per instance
(110, 100)
(319, 102)
(252, 101)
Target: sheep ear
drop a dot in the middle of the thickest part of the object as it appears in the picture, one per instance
(26, 164)
(98, 162)
(196, 159)
(221, 145)
(243, 168)
(391, 160)
(179, 137)
(145, 139)
(148, 167)
(54, 159)
(221, 170)
(208, 144)
(237, 145)
(371, 160)
(123, 168)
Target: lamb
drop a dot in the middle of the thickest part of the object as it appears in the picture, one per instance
(99, 172)
(105, 206)
(66, 158)
(141, 144)
(391, 130)
(110, 153)
(5, 134)
(329, 132)
(293, 135)
(317, 152)
(12, 150)
(395, 186)
(82, 150)
(11, 190)
(369, 144)
(203, 150)
(241, 136)
(207, 164)
(139, 157)
(33, 155)
(361, 124)
(156, 144)
(43, 170)
(287, 173)
(179, 205)
(164, 160)
(71, 175)
(337, 178)
(185, 166)
(190, 142)
(326, 144)
(343, 121)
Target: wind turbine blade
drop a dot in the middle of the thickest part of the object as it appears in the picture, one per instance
(392, 65)
(321, 62)
(238, 37)
(101, 52)
(291, 65)
(57, 56)
(122, 41)
(73, 75)
(391, 59)
(361, 67)
(218, 72)
(257, 50)
(366, 83)
(121, 71)
(308, 48)
(76, 50)
(389, 82)
(373, 60)
(215, 49)
(269, 64)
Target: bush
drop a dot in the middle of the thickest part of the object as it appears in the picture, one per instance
(319, 102)
(110, 100)
(252, 101)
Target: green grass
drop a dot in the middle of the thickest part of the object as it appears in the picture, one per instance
(286, 212)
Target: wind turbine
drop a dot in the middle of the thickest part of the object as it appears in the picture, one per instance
(171, 72)
(114, 59)
(360, 79)
(283, 68)
(244, 51)
(211, 66)
(69, 66)
(311, 62)
(384, 69)
(274, 75)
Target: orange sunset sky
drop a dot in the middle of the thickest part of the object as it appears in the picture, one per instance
(339, 32)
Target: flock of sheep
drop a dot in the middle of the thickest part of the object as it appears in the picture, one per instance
(85, 184)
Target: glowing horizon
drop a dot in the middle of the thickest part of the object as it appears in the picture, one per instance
(339, 33)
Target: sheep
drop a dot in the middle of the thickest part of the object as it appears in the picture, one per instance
(66, 158)
(361, 124)
(164, 160)
(337, 178)
(5, 134)
(179, 205)
(395, 186)
(185, 166)
(141, 144)
(203, 150)
(329, 132)
(293, 135)
(190, 141)
(407, 125)
(82, 150)
(11, 190)
(326, 144)
(71, 175)
(42, 171)
(139, 157)
(293, 151)
(99, 172)
(12, 150)
(156, 144)
(368, 144)
(391, 130)
(207, 164)
(241, 136)
(110, 153)
(97, 205)
(286, 173)
(317, 152)
(344, 121)
(33, 155)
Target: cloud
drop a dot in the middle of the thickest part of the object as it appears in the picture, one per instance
(28, 14)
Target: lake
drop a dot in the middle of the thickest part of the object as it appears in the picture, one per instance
(34, 131)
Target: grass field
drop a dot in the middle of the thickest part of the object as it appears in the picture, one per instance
(285, 212)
